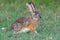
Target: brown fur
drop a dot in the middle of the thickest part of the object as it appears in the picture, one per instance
(26, 23)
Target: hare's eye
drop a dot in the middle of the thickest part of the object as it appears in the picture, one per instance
(36, 17)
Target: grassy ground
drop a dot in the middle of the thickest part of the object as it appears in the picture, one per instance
(48, 28)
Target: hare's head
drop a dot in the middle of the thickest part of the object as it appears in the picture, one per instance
(35, 14)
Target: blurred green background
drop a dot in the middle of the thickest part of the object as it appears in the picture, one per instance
(49, 25)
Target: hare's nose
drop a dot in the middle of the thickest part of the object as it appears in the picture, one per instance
(40, 16)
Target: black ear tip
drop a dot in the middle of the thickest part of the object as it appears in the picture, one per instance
(30, 3)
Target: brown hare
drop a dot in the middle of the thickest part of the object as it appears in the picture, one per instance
(25, 24)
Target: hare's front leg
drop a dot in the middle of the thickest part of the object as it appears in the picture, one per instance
(32, 29)
(34, 32)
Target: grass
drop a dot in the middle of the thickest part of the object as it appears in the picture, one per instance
(48, 28)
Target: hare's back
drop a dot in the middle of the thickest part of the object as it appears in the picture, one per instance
(21, 24)
(21, 20)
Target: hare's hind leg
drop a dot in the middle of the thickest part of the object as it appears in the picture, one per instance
(14, 34)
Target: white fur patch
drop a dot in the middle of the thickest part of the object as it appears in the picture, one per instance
(24, 30)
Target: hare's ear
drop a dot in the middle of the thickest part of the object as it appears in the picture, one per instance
(31, 6)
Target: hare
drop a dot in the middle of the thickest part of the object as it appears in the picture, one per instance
(29, 23)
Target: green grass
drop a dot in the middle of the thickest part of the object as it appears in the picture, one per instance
(48, 28)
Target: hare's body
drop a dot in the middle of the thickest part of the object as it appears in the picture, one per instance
(25, 24)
